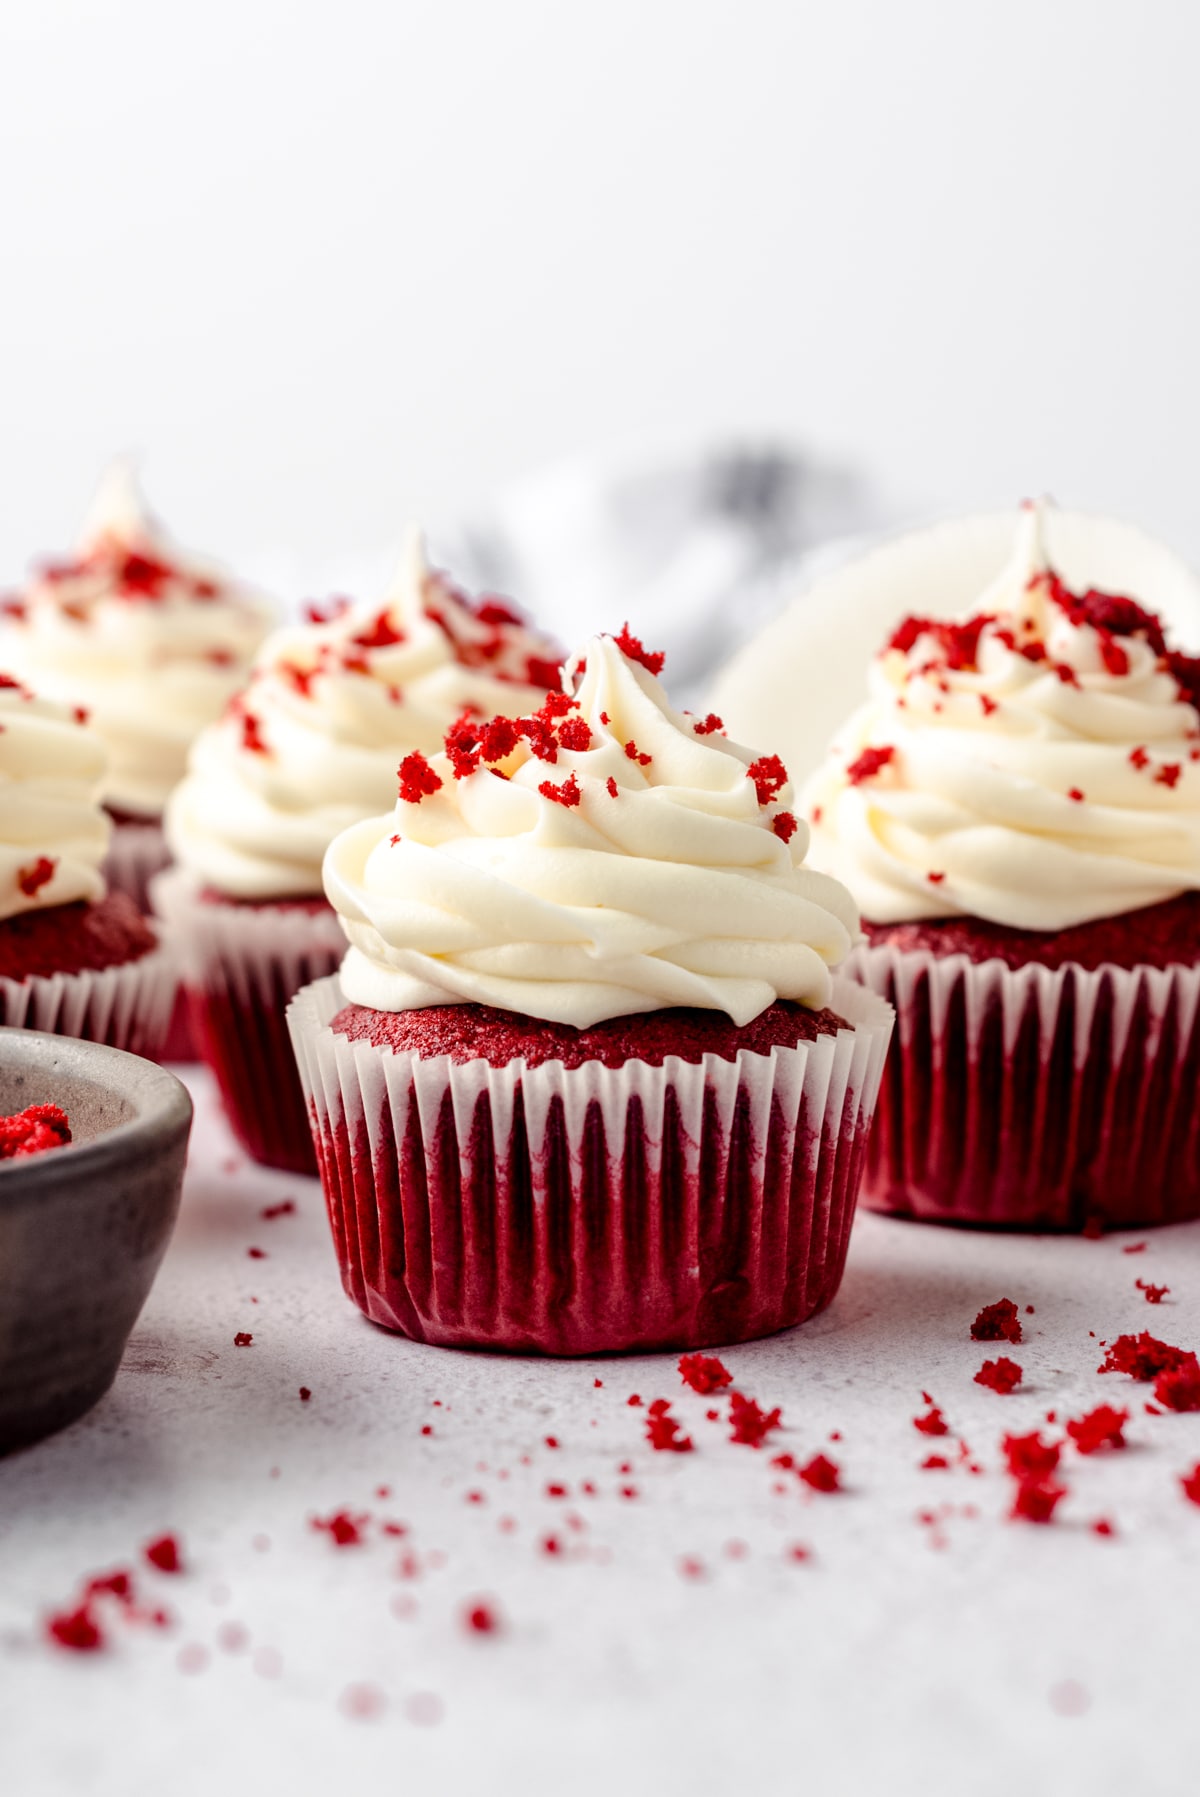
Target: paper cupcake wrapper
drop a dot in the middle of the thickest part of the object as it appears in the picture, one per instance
(127, 1006)
(1033, 1097)
(592, 1209)
(136, 853)
(241, 965)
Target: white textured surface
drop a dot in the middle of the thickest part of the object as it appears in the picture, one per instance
(884, 1664)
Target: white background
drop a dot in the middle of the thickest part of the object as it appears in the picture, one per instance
(329, 266)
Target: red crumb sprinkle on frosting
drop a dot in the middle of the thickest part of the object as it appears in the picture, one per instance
(769, 776)
(417, 779)
(31, 879)
(704, 1373)
(1100, 1428)
(997, 1322)
(1002, 1375)
(870, 763)
(629, 645)
(33, 1130)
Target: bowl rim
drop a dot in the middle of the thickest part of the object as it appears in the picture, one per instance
(163, 1107)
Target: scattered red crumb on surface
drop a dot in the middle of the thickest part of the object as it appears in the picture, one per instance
(164, 1553)
(1191, 1484)
(1178, 1388)
(628, 1491)
(664, 1432)
(242, 1339)
(257, 1253)
(651, 659)
(704, 1373)
(1029, 1457)
(997, 1322)
(482, 1618)
(305, 1394)
(556, 1490)
(934, 1463)
(1037, 1499)
(32, 1131)
(1002, 1375)
(78, 1631)
(821, 1474)
(1142, 1356)
(597, 1384)
(797, 1553)
(1100, 1428)
(552, 1441)
(1103, 1526)
(285, 1208)
(1154, 1294)
(933, 1422)
(427, 1428)
(343, 1528)
(1135, 1248)
(31, 879)
(362, 1702)
(750, 1424)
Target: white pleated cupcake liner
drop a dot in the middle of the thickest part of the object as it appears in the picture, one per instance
(127, 1006)
(1035, 1097)
(241, 966)
(136, 853)
(592, 1209)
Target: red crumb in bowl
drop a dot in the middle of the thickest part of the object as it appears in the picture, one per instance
(1100, 1428)
(1002, 1375)
(997, 1322)
(704, 1373)
(33, 1130)
(751, 1424)
(821, 1474)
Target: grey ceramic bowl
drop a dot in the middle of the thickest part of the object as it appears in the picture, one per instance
(82, 1228)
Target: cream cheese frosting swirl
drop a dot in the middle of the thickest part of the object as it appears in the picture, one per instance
(53, 831)
(153, 642)
(628, 857)
(312, 744)
(1037, 765)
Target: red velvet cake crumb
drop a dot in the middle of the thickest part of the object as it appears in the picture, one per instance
(242, 1339)
(77, 1630)
(1178, 1388)
(74, 938)
(821, 1474)
(343, 1528)
(1100, 1428)
(477, 1032)
(31, 879)
(1154, 1294)
(664, 1432)
(650, 659)
(1037, 1499)
(164, 1554)
(750, 1424)
(997, 1323)
(1191, 1484)
(933, 1422)
(482, 1618)
(285, 1208)
(704, 1373)
(1142, 1356)
(934, 1463)
(1029, 1457)
(1002, 1375)
(33, 1130)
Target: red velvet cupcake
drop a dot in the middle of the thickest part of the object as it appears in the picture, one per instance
(1017, 811)
(594, 1089)
(311, 746)
(74, 960)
